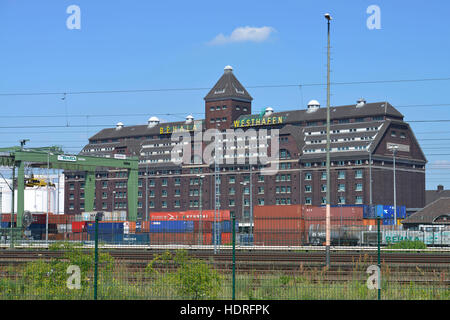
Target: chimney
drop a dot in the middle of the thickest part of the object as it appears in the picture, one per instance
(440, 188)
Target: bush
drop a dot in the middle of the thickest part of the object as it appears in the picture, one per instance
(408, 244)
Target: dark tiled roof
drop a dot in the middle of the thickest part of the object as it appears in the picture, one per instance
(431, 211)
(228, 87)
(340, 112)
(433, 195)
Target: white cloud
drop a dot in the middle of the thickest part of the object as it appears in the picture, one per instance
(243, 34)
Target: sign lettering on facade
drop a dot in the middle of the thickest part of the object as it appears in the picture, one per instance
(67, 158)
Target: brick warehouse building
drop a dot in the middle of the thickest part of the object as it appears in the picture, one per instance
(360, 136)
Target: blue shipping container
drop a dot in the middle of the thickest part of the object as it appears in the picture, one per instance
(388, 212)
(104, 228)
(379, 210)
(172, 226)
(226, 226)
(401, 212)
(369, 212)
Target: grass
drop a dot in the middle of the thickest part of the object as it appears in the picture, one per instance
(180, 276)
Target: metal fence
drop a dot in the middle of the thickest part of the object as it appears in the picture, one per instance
(282, 261)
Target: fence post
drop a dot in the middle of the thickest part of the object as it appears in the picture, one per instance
(234, 255)
(96, 257)
(379, 258)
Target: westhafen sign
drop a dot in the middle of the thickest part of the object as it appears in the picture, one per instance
(67, 158)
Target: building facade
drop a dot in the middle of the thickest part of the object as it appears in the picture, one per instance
(361, 136)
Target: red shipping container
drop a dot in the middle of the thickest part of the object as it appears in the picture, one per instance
(171, 238)
(78, 226)
(192, 215)
(226, 238)
(206, 226)
(289, 211)
(335, 212)
(279, 224)
(80, 236)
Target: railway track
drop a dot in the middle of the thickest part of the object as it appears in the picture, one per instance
(254, 258)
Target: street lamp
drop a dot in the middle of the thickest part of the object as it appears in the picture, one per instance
(200, 238)
(394, 149)
(112, 209)
(243, 193)
(328, 208)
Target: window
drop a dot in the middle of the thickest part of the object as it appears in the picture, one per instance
(232, 179)
(358, 161)
(246, 190)
(218, 108)
(244, 108)
(231, 202)
(261, 202)
(71, 206)
(260, 190)
(359, 187)
(324, 176)
(308, 200)
(177, 192)
(152, 183)
(284, 154)
(71, 186)
(152, 204)
(164, 204)
(176, 203)
(341, 200)
(152, 193)
(82, 205)
(139, 204)
(260, 178)
(341, 187)
(104, 205)
(104, 184)
(164, 182)
(307, 164)
(402, 135)
(308, 176)
(393, 133)
(324, 200)
(224, 119)
(163, 193)
(358, 174)
(231, 191)
(358, 200)
(224, 107)
(323, 188)
(341, 175)
(177, 181)
(71, 196)
(308, 188)
(211, 108)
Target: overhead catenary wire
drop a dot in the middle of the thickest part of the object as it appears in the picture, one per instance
(208, 88)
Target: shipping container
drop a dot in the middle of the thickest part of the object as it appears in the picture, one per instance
(164, 238)
(370, 222)
(129, 227)
(105, 227)
(78, 226)
(226, 238)
(171, 226)
(289, 211)
(225, 226)
(63, 228)
(192, 215)
(347, 212)
(279, 224)
(206, 226)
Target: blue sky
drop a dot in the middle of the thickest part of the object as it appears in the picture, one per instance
(167, 44)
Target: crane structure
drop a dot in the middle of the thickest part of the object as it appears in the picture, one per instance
(54, 158)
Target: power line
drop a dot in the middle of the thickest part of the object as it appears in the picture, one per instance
(208, 88)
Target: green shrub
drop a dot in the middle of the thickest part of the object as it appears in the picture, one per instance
(408, 244)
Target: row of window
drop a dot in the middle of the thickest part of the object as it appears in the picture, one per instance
(341, 200)
(340, 187)
(341, 175)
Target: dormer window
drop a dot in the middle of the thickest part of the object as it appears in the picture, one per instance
(238, 108)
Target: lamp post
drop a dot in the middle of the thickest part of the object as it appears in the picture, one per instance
(394, 149)
(112, 208)
(328, 209)
(200, 238)
(243, 193)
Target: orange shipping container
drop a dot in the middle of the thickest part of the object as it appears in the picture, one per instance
(289, 211)
(279, 224)
(370, 222)
(226, 238)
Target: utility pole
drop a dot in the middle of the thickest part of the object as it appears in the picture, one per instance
(328, 208)
(200, 237)
(394, 149)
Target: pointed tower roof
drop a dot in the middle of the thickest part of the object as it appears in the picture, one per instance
(228, 87)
